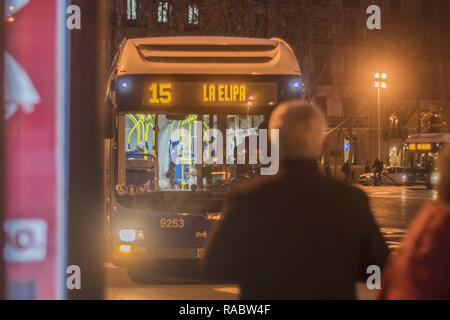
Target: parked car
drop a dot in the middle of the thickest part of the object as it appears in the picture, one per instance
(415, 176)
(397, 176)
(367, 179)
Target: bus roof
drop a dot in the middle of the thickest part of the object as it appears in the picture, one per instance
(207, 55)
(429, 138)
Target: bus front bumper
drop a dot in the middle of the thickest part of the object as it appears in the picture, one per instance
(129, 255)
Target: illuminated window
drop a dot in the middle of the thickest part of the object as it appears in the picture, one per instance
(131, 10)
(350, 150)
(346, 149)
(163, 12)
(193, 14)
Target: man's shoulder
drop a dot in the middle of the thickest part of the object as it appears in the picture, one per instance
(274, 184)
(344, 189)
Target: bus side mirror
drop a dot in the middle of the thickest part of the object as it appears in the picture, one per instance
(110, 119)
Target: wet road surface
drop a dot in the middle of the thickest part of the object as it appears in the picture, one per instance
(393, 209)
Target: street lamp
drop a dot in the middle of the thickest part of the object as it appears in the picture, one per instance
(380, 83)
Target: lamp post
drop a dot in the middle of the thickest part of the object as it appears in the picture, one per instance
(380, 83)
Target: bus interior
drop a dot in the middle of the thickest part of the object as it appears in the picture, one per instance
(167, 144)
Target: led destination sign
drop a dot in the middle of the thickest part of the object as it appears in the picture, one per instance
(225, 93)
(210, 93)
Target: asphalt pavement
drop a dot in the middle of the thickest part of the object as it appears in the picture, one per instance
(393, 209)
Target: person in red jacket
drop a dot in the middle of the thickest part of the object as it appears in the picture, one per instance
(421, 267)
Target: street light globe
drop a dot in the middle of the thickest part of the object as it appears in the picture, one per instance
(377, 75)
(377, 84)
(384, 76)
(383, 85)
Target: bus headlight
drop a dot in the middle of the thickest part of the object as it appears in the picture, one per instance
(125, 248)
(124, 84)
(127, 235)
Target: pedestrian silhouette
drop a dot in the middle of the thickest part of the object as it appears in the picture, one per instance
(297, 234)
(378, 166)
(347, 171)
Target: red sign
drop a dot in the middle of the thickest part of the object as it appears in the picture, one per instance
(35, 135)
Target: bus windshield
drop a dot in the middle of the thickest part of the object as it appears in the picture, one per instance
(160, 152)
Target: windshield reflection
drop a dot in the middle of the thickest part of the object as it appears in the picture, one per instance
(160, 152)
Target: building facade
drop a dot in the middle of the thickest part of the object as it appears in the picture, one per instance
(339, 57)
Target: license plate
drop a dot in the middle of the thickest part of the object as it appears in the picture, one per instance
(199, 253)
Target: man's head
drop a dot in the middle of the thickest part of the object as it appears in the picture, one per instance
(444, 170)
(302, 130)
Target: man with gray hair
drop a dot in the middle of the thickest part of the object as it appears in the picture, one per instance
(302, 130)
(296, 234)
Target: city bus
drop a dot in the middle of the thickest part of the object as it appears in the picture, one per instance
(422, 153)
(165, 97)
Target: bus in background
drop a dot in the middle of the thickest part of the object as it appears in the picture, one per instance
(422, 153)
(172, 99)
